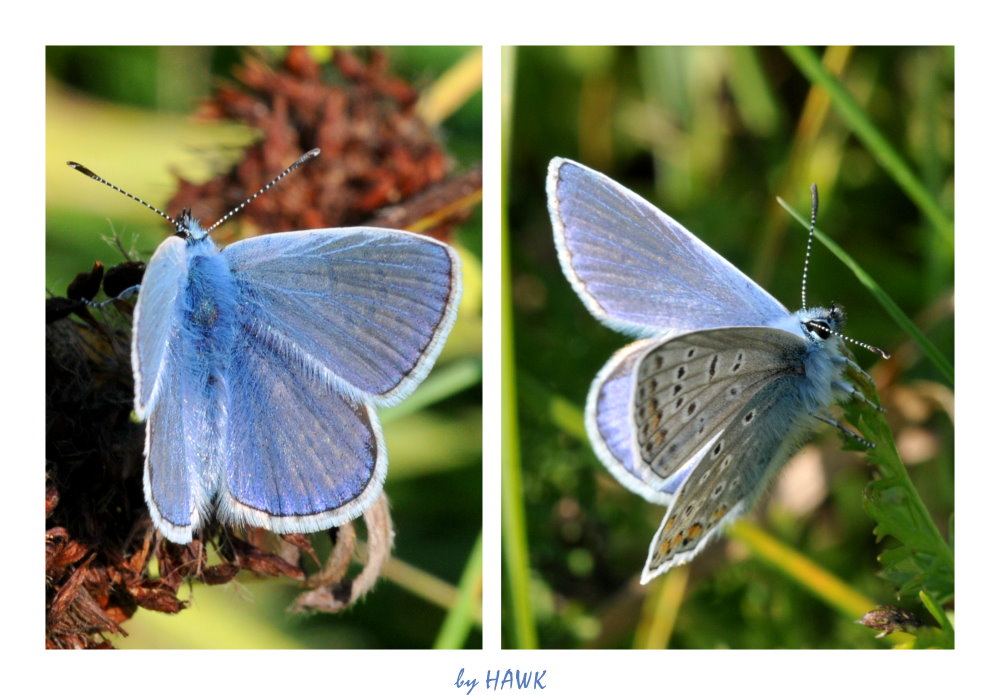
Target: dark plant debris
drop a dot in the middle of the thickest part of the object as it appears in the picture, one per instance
(888, 619)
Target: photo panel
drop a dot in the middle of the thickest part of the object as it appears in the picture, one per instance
(726, 142)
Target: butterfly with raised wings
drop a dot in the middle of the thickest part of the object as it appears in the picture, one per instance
(701, 412)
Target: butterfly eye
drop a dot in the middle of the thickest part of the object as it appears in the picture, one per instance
(820, 329)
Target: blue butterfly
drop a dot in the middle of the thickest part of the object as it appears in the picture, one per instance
(258, 368)
(702, 411)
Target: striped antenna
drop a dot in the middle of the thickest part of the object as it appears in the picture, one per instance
(878, 351)
(809, 242)
(87, 172)
(310, 155)
(805, 272)
(182, 225)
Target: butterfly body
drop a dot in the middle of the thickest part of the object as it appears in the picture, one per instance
(701, 412)
(258, 367)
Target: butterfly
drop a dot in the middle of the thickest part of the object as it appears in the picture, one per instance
(258, 367)
(701, 412)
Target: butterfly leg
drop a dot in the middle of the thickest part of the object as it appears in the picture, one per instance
(857, 395)
(830, 421)
(855, 368)
(845, 361)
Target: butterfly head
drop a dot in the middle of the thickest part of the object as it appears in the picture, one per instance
(187, 227)
(821, 324)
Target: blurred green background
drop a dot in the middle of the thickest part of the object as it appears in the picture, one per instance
(712, 135)
(125, 112)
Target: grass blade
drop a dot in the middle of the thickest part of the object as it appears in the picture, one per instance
(515, 541)
(879, 146)
(462, 615)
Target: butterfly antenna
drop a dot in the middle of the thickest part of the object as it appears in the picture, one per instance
(310, 155)
(878, 351)
(809, 242)
(84, 170)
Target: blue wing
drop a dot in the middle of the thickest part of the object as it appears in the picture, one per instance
(639, 271)
(183, 435)
(368, 309)
(298, 456)
(611, 434)
(157, 313)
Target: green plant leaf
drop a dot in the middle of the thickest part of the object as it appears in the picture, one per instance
(923, 560)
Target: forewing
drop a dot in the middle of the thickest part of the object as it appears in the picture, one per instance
(731, 475)
(155, 324)
(299, 456)
(638, 270)
(609, 404)
(369, 308)
(688, 388)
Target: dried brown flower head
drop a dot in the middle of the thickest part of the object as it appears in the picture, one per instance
(376, 151)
